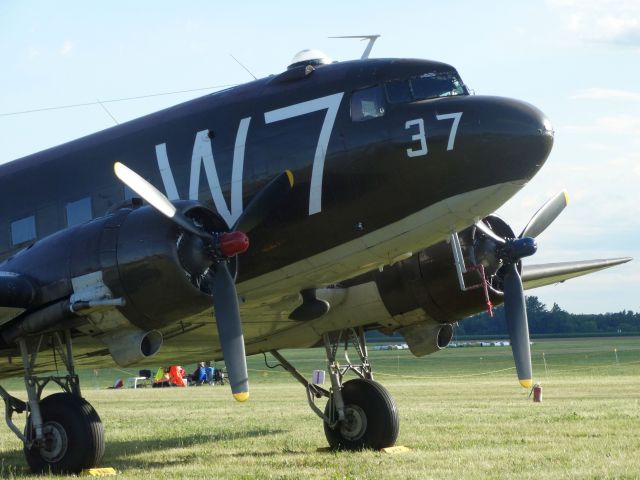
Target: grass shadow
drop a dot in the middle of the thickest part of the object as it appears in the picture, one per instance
(126, 454)
(13, 464)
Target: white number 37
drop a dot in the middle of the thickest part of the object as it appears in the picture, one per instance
(421, 136)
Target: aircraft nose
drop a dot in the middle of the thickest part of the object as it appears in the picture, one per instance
(526, 135)
(522, 118)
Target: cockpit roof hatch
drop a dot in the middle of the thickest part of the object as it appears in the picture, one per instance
(309, 57)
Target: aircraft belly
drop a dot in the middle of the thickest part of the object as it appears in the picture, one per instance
(381, 247)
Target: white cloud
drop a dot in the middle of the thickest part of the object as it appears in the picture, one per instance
(614, 22)
(605, 94)
(67, 47)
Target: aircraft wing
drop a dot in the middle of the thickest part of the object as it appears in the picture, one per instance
(17, 292)
(534, 276)
(9, 313)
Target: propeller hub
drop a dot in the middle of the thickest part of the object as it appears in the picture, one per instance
(233, 243)
(515, 249)
(192, 254)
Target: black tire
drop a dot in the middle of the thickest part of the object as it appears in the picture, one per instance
(372, 418)
(74, 436)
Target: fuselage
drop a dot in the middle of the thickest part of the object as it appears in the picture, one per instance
(376, 168)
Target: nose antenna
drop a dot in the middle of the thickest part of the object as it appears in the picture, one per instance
(372, 39)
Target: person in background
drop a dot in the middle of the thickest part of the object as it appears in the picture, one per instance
(175, 376)
(200, 375)
(210, 372)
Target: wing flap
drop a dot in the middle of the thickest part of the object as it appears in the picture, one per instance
(534, 276)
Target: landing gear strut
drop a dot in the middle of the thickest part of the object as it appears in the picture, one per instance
(359, 413)
(63, 433)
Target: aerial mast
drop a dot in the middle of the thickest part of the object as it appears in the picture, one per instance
(372, 39)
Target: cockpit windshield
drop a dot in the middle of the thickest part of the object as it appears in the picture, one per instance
(427, 85)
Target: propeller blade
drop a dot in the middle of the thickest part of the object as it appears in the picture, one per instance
(516, 316)
(265, 202)
(489, 233)
(546, 215)
(143, 188)
(225, 303)
(155, 198)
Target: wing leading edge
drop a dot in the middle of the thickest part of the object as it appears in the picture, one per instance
(534, 276)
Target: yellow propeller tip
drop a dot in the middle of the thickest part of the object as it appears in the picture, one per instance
(290, 177)
(527, 383)
(566, 197)
(120, 169)
(241, 396)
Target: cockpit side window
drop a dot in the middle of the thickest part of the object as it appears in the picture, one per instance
(398, 91)
(433, 85)
(367, 104)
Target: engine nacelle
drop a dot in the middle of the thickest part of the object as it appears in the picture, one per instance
(428, 280)
(151, 271)
(130, 346)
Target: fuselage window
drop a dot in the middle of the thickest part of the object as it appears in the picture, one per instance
(79, 212)
(398, 91)
(23, 230)
(433, 85)
(367, 104)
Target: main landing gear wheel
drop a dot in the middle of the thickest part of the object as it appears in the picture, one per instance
(73, 436)
(371, 418)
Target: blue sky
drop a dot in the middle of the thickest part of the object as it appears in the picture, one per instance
(578, 61)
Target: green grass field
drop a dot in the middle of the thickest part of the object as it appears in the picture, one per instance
(462, 413)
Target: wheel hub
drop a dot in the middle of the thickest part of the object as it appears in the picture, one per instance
(355, 423)
(55, 442)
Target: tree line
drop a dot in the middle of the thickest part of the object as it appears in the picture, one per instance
(543, 321)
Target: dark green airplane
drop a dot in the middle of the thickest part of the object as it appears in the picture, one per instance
(315, 205)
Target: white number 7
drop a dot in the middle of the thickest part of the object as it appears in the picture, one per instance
(331, 103)
(454, 128)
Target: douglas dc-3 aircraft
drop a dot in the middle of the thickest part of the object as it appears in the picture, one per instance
(336, 198)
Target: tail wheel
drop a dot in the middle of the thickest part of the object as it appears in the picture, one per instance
(371, 418)
(73, 436)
